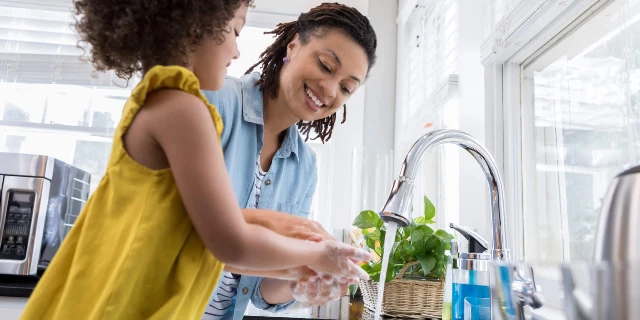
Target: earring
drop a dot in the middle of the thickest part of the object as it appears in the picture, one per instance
(286, 60)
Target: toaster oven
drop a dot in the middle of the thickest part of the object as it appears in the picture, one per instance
(40, 200)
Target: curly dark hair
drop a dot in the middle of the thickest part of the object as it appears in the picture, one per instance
(131, 36)
(327, 16)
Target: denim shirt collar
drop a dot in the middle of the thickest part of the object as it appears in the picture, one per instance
(252, 111)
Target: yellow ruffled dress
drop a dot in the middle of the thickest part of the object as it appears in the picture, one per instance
(133, 253)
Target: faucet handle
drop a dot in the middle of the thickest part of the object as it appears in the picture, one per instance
(525, 290)
(477, 243)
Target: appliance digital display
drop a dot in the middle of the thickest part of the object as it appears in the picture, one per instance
(20, 197)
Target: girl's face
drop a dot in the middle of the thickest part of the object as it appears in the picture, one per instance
(322, 74)
(211, 59)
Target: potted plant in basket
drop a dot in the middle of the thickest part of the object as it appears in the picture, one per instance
(416, 267)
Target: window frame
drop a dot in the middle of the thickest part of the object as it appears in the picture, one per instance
(527, 32)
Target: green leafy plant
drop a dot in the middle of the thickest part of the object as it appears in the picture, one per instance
(416, 241)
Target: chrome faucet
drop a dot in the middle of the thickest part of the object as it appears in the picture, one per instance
(397, 207)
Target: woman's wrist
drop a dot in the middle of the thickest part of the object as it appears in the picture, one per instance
(275, 291)
(251, 216)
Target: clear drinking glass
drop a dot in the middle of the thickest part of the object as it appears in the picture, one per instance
(477, 308)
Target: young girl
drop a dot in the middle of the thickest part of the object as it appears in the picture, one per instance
(153, 239)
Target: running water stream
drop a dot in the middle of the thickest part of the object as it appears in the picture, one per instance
(389, 240)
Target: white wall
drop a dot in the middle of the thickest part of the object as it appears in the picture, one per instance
(380, 96)
(379, 110)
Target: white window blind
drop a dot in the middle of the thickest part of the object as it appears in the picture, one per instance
(428, 55)
(439, 45)
(40, 46)
(427, 76)
(48, 5)
(495, 12)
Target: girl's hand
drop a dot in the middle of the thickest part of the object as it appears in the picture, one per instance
(337, 258)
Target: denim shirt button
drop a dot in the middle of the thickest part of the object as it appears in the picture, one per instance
(268, 182)
(245, 290)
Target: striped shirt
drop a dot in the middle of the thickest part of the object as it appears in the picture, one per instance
(257, 183)
(228, 288)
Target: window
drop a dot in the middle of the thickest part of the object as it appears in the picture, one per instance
(581, 126)
(69, 122)
(251, 43)
(53, 103)
(428, 93)
(429, 48)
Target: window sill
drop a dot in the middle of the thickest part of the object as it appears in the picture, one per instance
(106, 133)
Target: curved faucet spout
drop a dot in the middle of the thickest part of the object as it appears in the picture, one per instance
(401, 192)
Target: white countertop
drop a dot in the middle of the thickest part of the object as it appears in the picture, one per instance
(11, 308)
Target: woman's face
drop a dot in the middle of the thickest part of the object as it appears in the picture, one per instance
(211, 59)
(322, 74)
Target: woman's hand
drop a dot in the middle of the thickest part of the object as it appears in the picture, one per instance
(316, 291)
(287, 224)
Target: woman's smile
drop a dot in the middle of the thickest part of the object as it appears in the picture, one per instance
(314, 100)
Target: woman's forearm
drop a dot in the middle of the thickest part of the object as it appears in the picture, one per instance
(274, 289)
(266, 218)
(286, 224)
(280, 274)
(252, 216)
(290, 274)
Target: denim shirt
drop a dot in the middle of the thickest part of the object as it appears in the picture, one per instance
(289, 184)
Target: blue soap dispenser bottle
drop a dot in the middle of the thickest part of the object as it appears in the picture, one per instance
(470, 271)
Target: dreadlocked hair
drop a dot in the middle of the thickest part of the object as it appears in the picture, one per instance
(327, 16)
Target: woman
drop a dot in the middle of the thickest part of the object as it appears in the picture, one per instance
(315, 64)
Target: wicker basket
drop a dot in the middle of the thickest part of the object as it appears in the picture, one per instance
(416, 299)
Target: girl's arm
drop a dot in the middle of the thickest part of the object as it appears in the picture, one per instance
(182, 126)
